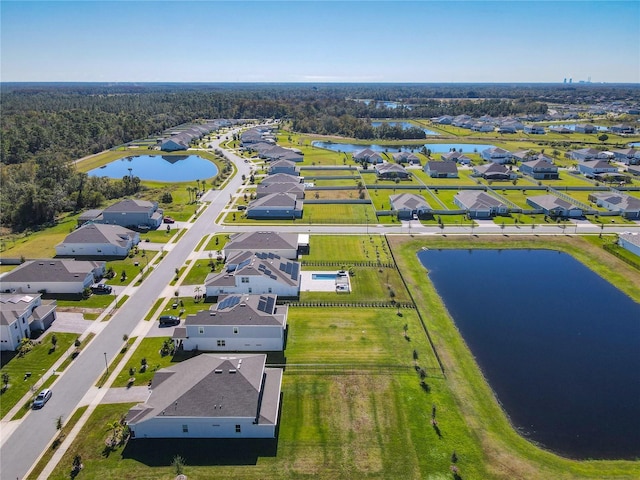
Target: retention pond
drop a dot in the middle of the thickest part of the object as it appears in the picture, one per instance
(558, 344)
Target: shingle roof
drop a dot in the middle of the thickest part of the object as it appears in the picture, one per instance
(258, 264)
(443, 167)
(281, 178)
(287, 200)
(550, 202)
(101, 234)
(624, 202)
(408, 201)
(52, 270)
(241, 309)
(254, 241)
(130, 205)
(478, 200)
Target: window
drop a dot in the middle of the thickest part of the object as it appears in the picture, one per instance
(235, 330)
(244, 279)
(269, 289)
(222, 343)
(185, 428)
(238, 429)
(249, 290)
(201, 330)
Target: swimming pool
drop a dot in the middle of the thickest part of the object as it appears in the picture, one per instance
(323, 276)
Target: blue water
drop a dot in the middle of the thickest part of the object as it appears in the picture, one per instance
(634, 144)
(163, 168)
(434, 147)
(323, 276)
(405, 126)
(558, 344)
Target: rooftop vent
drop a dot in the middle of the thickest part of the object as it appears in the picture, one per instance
(232, 370)
(217, 370)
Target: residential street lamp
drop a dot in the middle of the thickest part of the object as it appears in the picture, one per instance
(106, 364)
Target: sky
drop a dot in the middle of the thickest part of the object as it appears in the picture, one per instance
(319, 41)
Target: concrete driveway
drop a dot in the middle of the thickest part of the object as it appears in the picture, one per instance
(69, 322)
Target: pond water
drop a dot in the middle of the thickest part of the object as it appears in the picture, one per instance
(405, 126)
(163, 168)
(634, 144)
(556, 342)
(434, 147)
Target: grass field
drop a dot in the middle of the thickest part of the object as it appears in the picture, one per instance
(347, 249)
(37, 361)
(507, 455)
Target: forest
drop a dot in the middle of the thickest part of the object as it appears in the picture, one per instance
(44, 127)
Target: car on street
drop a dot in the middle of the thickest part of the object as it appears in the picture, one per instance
(242, 207)
(42, 398)
(102, 288)
(168, 220)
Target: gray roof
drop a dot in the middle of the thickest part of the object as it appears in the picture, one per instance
(387, 167)
(478, 200)
(131, 205)
(14, 305)
(52, 270)
(443, 167)
(540, 162)
(281, 178)
(622, 201)
(631, 237)
(408, 201)
(283, 164)
(89, 215)
(287, 200)
(247, 264)
(101, 233)
(242, 309)
(213, 386)
(258, 241)
(489, 168)
(264, 189)
(551, 202)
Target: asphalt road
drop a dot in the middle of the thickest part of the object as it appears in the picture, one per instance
(25, 444)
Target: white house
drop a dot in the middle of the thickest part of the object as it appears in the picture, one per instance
(406, 205)
(258, 273)
(276, 206)
(493, 171)
(284, 166)
(367, 155)
(237, 323)
(496, 155)
(20, 315)
(264, 189)
(589, 169)
(98, 240)
(630, 241)
(284, 245)
(210, 396)
(625, 205)
(52, 275)
(281, 178)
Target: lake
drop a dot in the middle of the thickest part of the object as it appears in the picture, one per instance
(405, 126)
(558, 345)
(162, 168)
(434, 147)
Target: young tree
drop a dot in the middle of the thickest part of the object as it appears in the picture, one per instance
(54, 341)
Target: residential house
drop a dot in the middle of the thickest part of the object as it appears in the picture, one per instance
(524, 155)
(406, 157)
(284, 166)
(406, 205)
(237, 323)
(540, 169)
(210, 396)
(534, 129)
(264, 189)
(98, 240)
(281, 178)
(623, 204)
(391, 171)
(585, 128)
(497, 155)
(555, 206)
(622, 129)
(560, 129)
(629, 156)
(590, 169)
(457, 157)
(367, 155)
(133, 213)
(493, 171)
(483, 127)
(94, 215)
(52, 275)
(630, 241)
(286, 245)
(446, 169)
(20, 315)
(507, 128)
(634, 170)
(586, 154)
(276, 206)
(462, 121)
(479, 204)
(443, 120)
(174, 144)
(257, 273)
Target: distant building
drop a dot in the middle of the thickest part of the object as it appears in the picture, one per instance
(20, 315)
(479, 204)
(98, 240)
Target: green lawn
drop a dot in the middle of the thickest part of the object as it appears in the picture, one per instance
(75, 301)
(347, 249)
(217, 242)
(446, 197)
(39, 244)
(128, 265)
(37, 361)
(161, 235)
(199, 272)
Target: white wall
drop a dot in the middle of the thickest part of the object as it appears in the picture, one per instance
(206, 427)
(94, 250)
(250, 338)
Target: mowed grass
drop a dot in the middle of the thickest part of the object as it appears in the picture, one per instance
(39, 244)
(506, 454)
(37, 361)
(347, 249)
(367, 419)
(338, 213)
